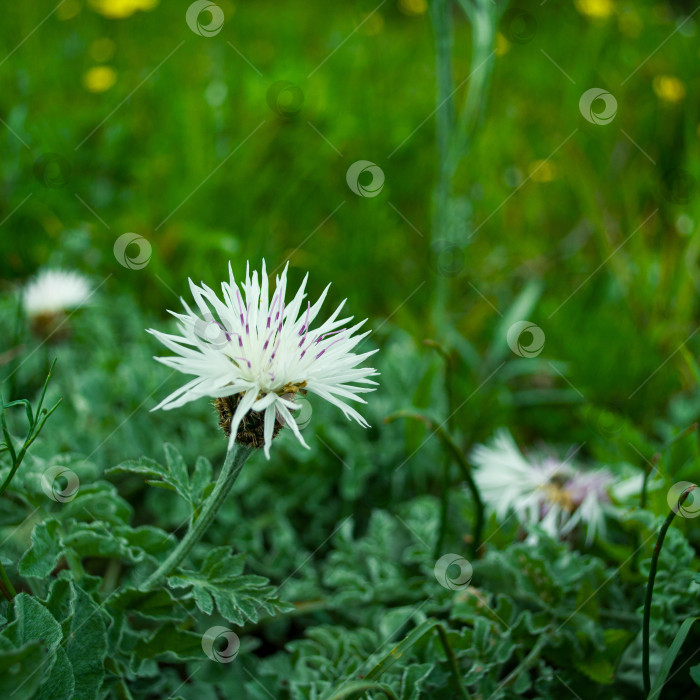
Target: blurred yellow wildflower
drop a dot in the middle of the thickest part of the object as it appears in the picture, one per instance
(598, 9)
(100, 78)
(118, 9)
(413, 7)
(102, 49)
(669, 88)
(542, 171)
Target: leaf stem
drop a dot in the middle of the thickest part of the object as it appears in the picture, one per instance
(442, 633)
(527, 662)
(357, 688)
(650, 586)
(439, 430)
(425, 628)
(236, 457)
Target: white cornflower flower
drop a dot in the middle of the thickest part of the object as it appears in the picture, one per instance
(541, 490)
(54, 291)
(254, 354)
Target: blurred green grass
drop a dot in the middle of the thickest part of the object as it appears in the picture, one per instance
(189, 154)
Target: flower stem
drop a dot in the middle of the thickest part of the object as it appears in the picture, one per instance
(455, 133)
(650, 587)
(235, 459)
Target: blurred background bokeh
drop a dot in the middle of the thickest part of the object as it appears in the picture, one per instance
(117, 117)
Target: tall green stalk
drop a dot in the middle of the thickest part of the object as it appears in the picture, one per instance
(455, 134)
(483, 16)
(441, 16)
(650, 587)
(236, 457)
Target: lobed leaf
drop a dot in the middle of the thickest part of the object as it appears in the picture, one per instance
(220, 581)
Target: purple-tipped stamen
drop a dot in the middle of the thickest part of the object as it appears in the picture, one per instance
(328, 347)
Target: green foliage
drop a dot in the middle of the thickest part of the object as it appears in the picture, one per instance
(670, 657)
(45, 551)
(21, 668)
(174, 476)
(220, 580)
(36, 420)
(68, 639)
(353, 603)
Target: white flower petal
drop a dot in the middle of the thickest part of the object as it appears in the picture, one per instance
(541, 491)
(52, 291)
(290, 422)
(269, 427)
